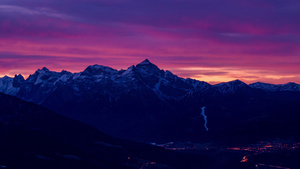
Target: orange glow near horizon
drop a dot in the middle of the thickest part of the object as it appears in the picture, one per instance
(208, 45)
(70, 58)
(206, 74)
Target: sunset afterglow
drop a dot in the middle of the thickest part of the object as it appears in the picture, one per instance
(212, 41)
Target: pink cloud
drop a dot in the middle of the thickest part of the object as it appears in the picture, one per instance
(249, 36)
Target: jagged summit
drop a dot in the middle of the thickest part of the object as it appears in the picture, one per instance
(264, 86)
(45, 69)
(19, 76)
(291, 83)
(291, 86)
(233, 82)
(145, 62)
(230, 87)
(129, 71)
(6, 77)
(18, 80)
(145, 74)
(238, 82)
(98, 69)
(146, 67)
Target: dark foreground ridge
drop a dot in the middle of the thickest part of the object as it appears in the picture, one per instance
(33, 137)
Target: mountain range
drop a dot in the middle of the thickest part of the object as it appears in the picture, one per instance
(145, 103)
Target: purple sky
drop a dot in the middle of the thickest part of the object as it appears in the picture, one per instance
(210, 40)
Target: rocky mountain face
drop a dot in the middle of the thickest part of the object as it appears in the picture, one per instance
(105, 80)
(291, 87)
(146, 103)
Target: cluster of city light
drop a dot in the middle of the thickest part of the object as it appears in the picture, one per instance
(182, 146)
(143, 164)
(245, 159)
(258, 166)
(146, 164)
(267, 147)
(255, 148)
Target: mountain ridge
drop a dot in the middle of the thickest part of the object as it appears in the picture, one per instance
(145, 67)
(145, 103)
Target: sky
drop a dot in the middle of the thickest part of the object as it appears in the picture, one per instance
(209, 40)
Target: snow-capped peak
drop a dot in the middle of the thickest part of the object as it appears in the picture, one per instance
(7, 87)
(232, 83)
(129, 70)
(43, 70)
(264, 86)
(230, 87)
(237, 82)
(280, 87)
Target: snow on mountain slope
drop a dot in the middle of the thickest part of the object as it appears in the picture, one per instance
(230, 87)
(264, 86)
(142, 98)
(104, 80)
(291, 87)
(6, 86)
(137, 79)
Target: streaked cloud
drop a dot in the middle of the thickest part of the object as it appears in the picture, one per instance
(26, 11)
(204, 39)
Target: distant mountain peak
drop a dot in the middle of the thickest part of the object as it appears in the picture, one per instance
(169, 73)
(291, 86)
(148, 64)
(45, 69)
(6, 77)
(238, 82)
(98, 69)
(291, 83)
(42, 71)
(230, 87)
(146, 67)
(19, 78)
(234, 82)
(145, 62)
(129, 71)
(95, 66)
